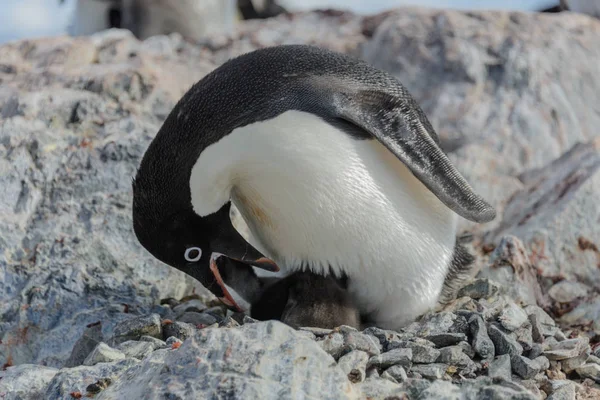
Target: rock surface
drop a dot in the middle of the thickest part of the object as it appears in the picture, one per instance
(266, 359)
(512, 108)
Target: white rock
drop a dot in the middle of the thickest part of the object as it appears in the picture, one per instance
(103, 353)
(25, 381)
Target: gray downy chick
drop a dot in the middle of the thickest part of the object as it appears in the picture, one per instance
(300, 299)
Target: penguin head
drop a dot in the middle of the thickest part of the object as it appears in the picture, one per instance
(176, 235)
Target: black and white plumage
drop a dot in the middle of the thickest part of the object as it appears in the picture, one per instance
(333, 167)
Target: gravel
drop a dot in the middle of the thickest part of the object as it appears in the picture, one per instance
(500, 367)
(401, 357)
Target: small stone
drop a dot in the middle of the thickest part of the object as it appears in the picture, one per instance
(333, 344)
(500, 367)
(560, 336)
(171, 302)
(249, 320)
(563, 392)
(503, 343)
(219, 312)
(421, 353)
(134, 328)
(354, 365)
(567, 291)
(526, 368)
(397, 372)
(103, 353)
(571, 364)
(524, 336)
(401, 357)
(591, 371)
(453, 355)
(446, 339)
(190, 305)
(318, 332)
(478, 289)
(197, 319)
(172, 341)
(178, 329)
(354, 340)
(569, 348)
(384, 337)
(597, 351)
(545, 322)
(377, 388)
(536, 329)
(430, 371)
(165, 312)
(467, 349)
(554, 373)
(98, 386)
(493, 307)
(460, 325)
(433, 324)
(229, 322)
(157, 343)
(532, 386)
(512, 317)
(388, 377)
(466, 313)
(135, 349)
(593, 359)
(346, 329)
(482, 343)
(535, 351)
(307, 335)
(90, 338)
(372, 373)
(465, 306)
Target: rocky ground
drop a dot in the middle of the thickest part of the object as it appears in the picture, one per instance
(484, 345)
(514, 97)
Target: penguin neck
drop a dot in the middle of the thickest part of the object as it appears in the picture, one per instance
(313, 196)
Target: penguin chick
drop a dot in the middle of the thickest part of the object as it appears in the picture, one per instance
(318, 301)
(300, 299)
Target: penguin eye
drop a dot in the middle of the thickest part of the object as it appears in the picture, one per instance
(193, 254)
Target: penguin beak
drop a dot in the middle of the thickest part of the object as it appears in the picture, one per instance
(237, 277)
(264, 263)
(227, 299)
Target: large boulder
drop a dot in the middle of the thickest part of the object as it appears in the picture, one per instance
(501, 88)
(557, 214)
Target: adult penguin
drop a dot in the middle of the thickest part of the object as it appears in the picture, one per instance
(333, 166)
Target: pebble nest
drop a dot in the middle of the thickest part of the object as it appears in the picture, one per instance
(483, 345)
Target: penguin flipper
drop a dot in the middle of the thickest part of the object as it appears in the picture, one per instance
(397, 122)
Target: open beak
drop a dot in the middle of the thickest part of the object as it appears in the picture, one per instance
(239, 276)
(227, 299)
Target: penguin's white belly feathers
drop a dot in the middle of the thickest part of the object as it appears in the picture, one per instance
(313, 196)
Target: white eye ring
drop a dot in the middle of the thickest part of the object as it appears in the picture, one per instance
(189, 251)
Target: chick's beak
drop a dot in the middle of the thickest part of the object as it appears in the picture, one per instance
(220, 260)
(227, 299)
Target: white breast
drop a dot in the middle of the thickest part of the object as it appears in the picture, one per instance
(311, 195)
